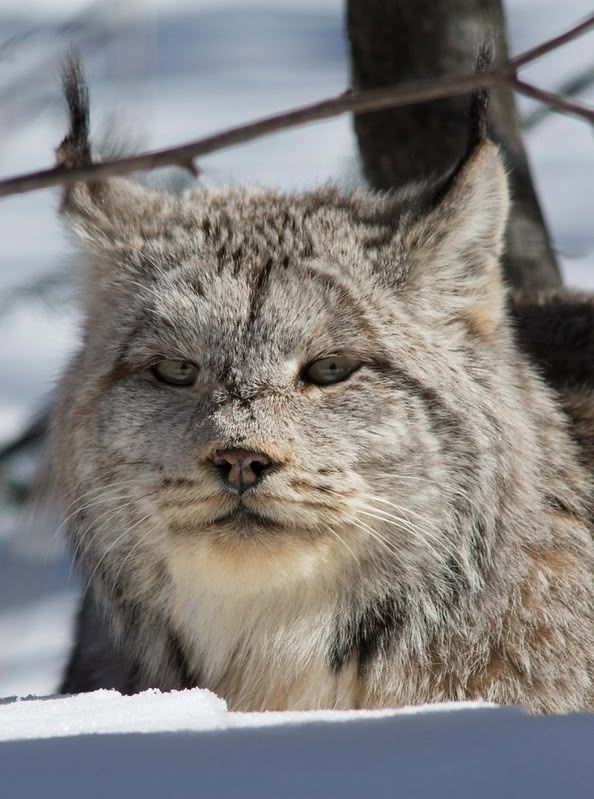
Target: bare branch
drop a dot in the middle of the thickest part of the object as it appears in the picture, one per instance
(552, 44)
(192, 168)
(357, 102)
(181, 155)
(569, 88)
(553, 100)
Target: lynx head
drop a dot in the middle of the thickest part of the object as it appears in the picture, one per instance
(284, 390)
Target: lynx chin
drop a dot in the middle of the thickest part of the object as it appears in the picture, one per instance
(303, 461)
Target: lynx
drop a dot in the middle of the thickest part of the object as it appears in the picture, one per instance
(304, 462)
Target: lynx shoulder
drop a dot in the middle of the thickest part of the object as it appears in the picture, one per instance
(305, 462)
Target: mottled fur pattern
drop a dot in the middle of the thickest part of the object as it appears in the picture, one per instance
(424, 532)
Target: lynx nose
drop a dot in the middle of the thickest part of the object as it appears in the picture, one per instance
(241, 468)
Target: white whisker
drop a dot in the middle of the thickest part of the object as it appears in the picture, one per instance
(110, 513)
(97, 490)
(114, 543)
(109, 495)
(374, 534)
(400, 521)
(397, 507)
(440, 546)
(140, 541)
(344, 543)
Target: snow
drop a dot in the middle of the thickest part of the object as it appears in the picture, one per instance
(197, 710)
(110, 712)
(197, 749)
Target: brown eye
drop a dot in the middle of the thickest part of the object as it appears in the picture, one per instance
(175, 373)
(330, 370)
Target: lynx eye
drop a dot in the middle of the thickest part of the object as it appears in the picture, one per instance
(330, 370)
(175, 373)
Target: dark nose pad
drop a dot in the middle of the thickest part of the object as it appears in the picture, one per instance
(241, 468)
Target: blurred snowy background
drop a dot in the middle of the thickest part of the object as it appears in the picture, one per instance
(160, 73)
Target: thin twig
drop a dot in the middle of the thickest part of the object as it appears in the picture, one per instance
(554, 100)
(357, 102)
(569, 88)
(182, 155)
(551, 44)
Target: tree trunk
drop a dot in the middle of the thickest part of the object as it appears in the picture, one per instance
(393, 41)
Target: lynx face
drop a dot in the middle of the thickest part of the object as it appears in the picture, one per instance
(269, 391)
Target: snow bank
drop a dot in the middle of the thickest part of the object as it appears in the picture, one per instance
(474, 752)
(195, 710)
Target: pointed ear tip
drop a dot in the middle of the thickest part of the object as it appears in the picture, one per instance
(487, 156)
(484, 177)
(491, 167)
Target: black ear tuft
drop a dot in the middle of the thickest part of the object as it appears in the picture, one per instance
(477, 127)
(479, 101)
(75, 149)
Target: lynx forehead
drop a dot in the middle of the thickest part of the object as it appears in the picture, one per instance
(305, 463)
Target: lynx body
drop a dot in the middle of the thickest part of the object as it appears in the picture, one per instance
(304, 461)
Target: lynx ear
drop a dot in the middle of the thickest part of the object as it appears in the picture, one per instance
(113, 218)
(101, 212)
(454, 242)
